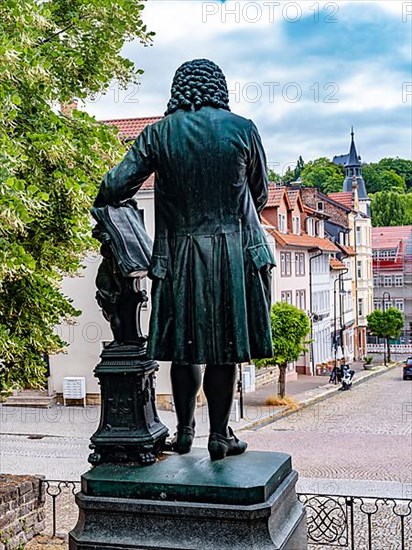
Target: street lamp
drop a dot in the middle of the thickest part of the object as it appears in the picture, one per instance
(384, 309)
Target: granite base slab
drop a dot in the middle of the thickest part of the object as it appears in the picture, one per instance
(276, 522)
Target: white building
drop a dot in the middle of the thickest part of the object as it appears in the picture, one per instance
(86, 334)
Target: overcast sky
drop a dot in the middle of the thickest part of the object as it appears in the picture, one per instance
(303, 71)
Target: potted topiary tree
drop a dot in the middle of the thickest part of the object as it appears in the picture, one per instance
(367, 362)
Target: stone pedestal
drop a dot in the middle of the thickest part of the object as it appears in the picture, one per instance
(188, 502)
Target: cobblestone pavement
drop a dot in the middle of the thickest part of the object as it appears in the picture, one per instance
(363, 434)
(357, 442)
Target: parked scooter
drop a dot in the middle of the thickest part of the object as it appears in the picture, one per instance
(346, 375)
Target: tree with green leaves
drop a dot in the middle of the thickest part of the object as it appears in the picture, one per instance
(274, 177)
(371, 174)
(386, 324)
(288, 177)
(382, 176)
(407, 198)
(391, 181)
(389, 209)
(323, 173)
(290, 328)
(51, 163)
(292, 174)
(401, 167)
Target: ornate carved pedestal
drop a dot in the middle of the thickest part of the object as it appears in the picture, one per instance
(130, 429)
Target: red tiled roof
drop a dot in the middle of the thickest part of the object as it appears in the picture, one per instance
(303, 241)
(131, 128)
(275, 196)
(293, 195)
(343, 197)
(390, 237)
(148, 185)
(336, 264)
(265, 221)
(308, 209)
(349, 250)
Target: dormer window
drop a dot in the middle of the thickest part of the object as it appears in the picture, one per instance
(310, 226)
(282, 222)
(296, 225)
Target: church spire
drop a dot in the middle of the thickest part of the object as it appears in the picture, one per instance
(353, 169)
(353, 159)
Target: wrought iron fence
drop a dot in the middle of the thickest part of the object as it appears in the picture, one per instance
(355, 523)
(334, 521)
(61, 509)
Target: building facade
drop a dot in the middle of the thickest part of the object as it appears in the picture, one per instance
(337, 223)
(392, 272)
(354, 196)
(303, 276)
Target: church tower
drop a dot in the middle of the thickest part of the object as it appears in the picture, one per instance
(354, 182)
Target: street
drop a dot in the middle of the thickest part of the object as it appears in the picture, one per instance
(363, 434)
(354, 443)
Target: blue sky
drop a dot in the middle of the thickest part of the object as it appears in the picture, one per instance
(303, 71)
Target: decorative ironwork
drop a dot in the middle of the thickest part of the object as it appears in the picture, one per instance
(54, 490)
(354, 522)
(334, 521)
(327, 520)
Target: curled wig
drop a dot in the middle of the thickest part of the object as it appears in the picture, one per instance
(196, 84)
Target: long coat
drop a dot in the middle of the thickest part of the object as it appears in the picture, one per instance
(211, 263)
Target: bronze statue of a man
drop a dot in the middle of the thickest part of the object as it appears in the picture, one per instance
(211, 263)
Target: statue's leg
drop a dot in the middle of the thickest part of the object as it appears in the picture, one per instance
(219, 388)
(186, 381)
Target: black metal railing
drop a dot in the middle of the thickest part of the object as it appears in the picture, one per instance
(354, 522)
(333, 521)
(61, 509)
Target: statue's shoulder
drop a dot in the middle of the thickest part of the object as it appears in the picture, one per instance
(180, 119)
(236, 121)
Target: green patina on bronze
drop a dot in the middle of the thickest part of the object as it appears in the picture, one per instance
(211, 262)
(242, 480)
(210, 267)
(129, 429)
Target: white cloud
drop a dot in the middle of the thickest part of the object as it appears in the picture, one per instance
(262, 52)
(373, 88)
